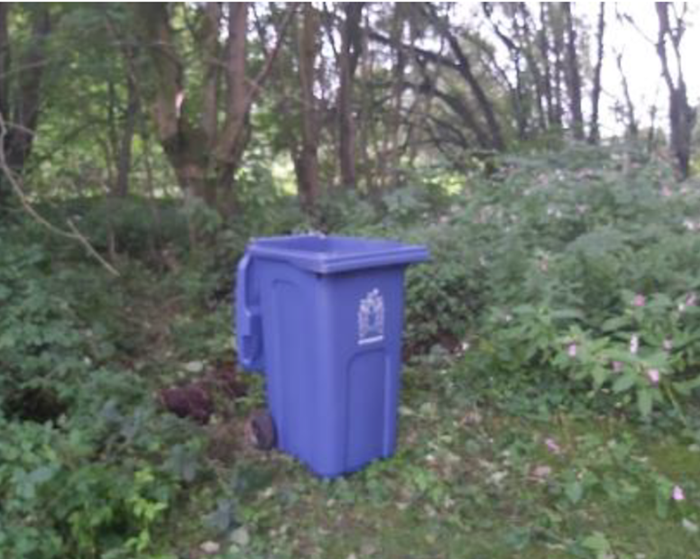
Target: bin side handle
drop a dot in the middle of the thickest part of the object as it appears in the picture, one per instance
(248, 320)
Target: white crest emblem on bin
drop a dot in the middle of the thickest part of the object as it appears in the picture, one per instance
(370, 318)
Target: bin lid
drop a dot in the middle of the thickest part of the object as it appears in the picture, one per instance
(329, 254)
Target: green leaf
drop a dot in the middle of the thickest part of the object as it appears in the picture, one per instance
(598, 544)
(567, 314)
(657, 360)
(574, 491)
(600, 375)
(644, 401)
(614, 324)
(686, 387)
(625, 382)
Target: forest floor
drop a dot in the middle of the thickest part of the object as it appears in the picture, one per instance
(479, 473)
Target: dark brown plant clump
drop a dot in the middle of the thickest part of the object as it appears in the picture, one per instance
(192, 400)
(197, 400)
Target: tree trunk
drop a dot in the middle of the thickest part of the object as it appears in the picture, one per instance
(518, 102)
(365, 119)
(176, 134)
(594, 130)
(544, 53)
(25, 110)
(558, 44)
(126, 140)
(204, 155)
(306, 160)
(632, 129)
(350, 50)
(465, 70)
(573, 77)
(681, 114)
(4, 59)
(393, 157)
(4, 85)
(211, 51)
(528, 25)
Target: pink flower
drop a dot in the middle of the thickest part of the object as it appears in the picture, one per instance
(678, 494)
(617, 366)
(639, 300)
(552, 445)
(691, 300)
(572, 350)
(666, 191)
(654, 376)
(634, 344)
(668, 345)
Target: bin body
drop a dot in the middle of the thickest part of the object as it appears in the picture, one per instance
(323, 317)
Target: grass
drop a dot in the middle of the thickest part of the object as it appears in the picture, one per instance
(465, 483)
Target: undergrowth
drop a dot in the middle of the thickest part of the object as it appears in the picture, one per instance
(553, 348)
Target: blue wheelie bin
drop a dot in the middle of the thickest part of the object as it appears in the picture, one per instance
(322, 317)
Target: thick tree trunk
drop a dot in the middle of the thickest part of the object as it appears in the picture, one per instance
(594, 129)
(306, 160)
(176, 135)
(211, 51)
(573, 77)
(350, 50)
(204, 155)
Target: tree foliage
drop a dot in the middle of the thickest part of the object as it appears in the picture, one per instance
(348, 94)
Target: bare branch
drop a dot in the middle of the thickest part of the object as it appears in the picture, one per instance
(74, 233)
(264, 72)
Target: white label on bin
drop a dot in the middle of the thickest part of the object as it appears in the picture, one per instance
(370, 318)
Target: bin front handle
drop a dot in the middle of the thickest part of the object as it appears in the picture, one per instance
(248, 321)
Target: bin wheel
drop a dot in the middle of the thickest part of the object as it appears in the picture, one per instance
(261, 431)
